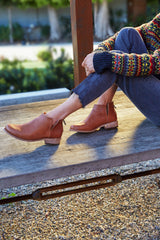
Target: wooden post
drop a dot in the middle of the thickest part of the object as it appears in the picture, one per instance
(82, 35)
(136, 8)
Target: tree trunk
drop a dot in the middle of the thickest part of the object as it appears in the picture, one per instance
(95, 15)
(102, 25)
(10, 24)
(54, 25)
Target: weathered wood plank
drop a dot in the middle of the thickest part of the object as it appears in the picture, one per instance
(135, 140)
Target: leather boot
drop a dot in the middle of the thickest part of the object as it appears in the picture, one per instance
(41, 128)
(100, 116)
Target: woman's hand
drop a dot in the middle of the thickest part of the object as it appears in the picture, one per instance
(88, 64)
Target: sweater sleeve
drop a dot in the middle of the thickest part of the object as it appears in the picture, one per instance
(108, 44)
(127, 64)
(102, 61)
(136, 64)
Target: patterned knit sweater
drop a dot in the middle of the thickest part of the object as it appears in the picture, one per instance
(132, 64)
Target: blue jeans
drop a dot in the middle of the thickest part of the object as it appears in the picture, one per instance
(144, 91)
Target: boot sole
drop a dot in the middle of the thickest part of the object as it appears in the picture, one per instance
(106, 126)
(111, 125)
(52, 141)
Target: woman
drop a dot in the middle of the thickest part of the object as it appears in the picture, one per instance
(131, 60)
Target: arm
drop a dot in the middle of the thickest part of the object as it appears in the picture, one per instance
(108, 44)
(127, 64)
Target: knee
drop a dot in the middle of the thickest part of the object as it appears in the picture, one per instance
(127, 32)
(126, 39)
(127, 29)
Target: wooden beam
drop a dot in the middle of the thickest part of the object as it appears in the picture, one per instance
(82, 35)
(136, 9)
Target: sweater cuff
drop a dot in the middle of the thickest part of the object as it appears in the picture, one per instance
(102, 61)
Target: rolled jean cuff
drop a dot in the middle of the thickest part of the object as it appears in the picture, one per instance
(93, 86)
(80, 98)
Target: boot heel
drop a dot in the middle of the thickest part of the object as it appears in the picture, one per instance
(53, 141)
(111, 125)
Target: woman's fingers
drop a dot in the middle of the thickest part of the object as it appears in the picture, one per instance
(88, 64)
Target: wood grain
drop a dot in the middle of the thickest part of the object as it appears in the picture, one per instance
(135, 140)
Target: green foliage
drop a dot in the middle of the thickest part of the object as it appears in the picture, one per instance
(45, 31)
(12, 73)
(100, 1)
(34, 80)
(58, 3)
(42, 3)
(65, 23)
(18, 32)
(60, 72)
(3, 86)
(4, 33)
(45, 55)
(153, 8)
(6, 2)
(139, 20)
(11, 195)
(14, 78)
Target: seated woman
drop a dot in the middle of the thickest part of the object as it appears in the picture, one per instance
(130, 60)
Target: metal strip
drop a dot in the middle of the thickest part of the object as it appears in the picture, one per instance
(97, 183)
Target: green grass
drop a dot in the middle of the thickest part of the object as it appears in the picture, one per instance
(36, 64)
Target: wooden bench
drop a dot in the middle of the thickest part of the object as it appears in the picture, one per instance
(135, 140)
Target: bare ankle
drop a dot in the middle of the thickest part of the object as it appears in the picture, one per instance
(69, 106)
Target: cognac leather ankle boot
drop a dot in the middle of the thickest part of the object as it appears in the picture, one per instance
(41, 128)
(100, 116)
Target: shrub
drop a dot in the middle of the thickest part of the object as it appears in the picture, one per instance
(45, 31)
(4, 33)
(14, 78)
(65, 23)
(18, 32)
(34, 80)
(60, 72)
(3, 86)
(13, 73)
(45, 55)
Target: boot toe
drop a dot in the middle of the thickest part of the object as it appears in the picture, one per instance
(12, 129)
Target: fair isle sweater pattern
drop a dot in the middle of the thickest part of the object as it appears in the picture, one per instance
(137, 64)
